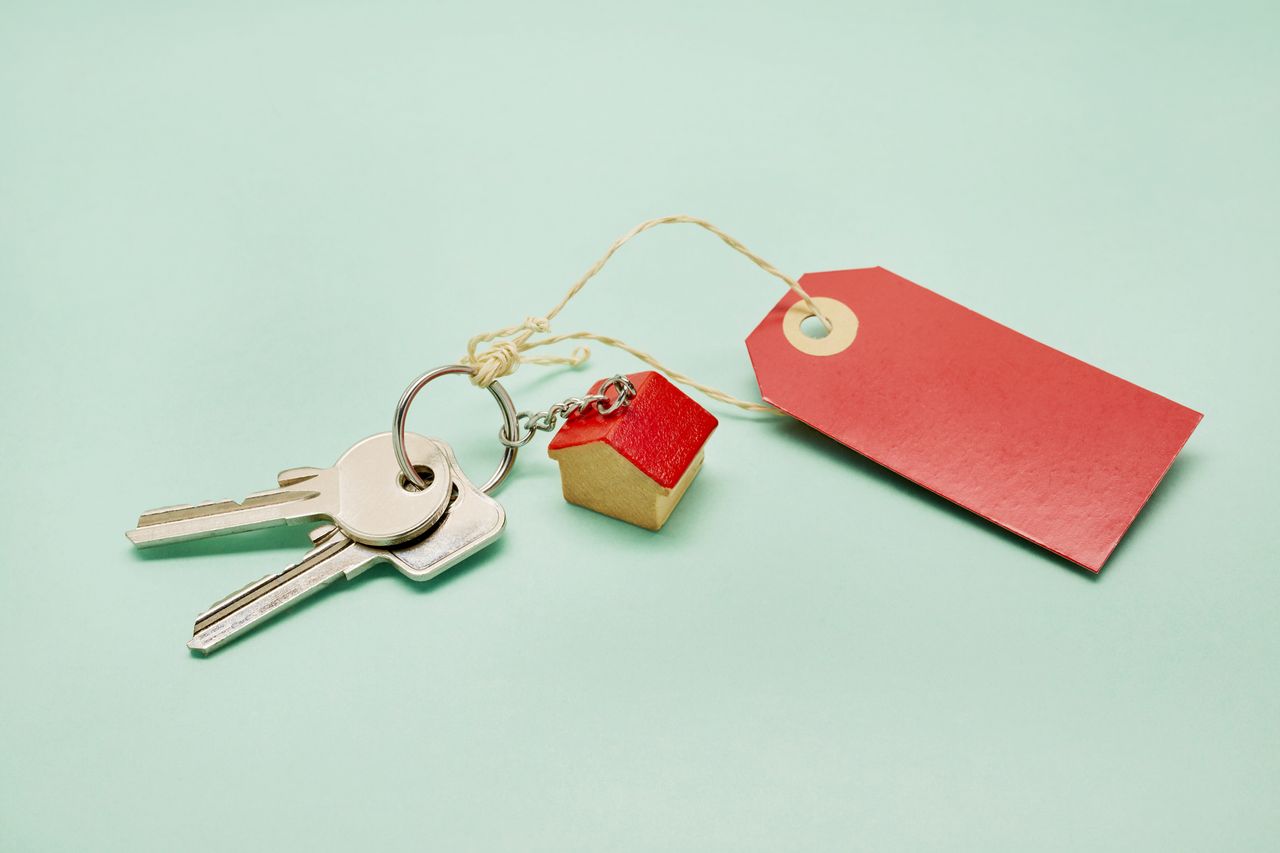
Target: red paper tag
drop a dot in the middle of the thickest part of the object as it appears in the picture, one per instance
(1051, 448)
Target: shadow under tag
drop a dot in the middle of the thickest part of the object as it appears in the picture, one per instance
(1042, 444)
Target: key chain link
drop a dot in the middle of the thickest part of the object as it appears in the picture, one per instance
(531, 423)
(500, 396)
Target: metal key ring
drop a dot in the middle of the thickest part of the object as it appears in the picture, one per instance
(402, 413)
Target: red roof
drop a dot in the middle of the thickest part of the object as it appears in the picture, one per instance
(660, 432)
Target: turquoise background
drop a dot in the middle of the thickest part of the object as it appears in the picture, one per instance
(230, 233)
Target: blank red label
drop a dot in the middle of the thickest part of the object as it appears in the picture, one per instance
(1051, 448)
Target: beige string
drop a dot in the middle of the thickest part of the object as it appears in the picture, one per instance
(512, 342)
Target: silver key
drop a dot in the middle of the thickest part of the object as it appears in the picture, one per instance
(472, 521)
(364, 494)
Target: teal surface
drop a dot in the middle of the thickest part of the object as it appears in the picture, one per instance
(231, 233)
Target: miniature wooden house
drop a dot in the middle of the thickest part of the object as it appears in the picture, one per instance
(636, 463)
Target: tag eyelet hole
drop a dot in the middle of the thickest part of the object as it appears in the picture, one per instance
(813, 328)
(428, 476)
(804, 331)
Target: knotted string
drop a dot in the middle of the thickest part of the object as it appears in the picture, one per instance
(511, 344)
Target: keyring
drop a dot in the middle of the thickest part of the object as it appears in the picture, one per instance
(499, 393)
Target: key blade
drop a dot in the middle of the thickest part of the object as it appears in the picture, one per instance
(333, 558)
(213, 518)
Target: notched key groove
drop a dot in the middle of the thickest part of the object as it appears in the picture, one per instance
(211, 508)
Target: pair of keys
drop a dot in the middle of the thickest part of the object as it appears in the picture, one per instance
(375, 514)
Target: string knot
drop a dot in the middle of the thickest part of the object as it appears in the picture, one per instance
(497, 361)
(508, 347)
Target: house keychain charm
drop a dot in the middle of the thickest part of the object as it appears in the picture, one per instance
(628, 449)
(634, 464)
